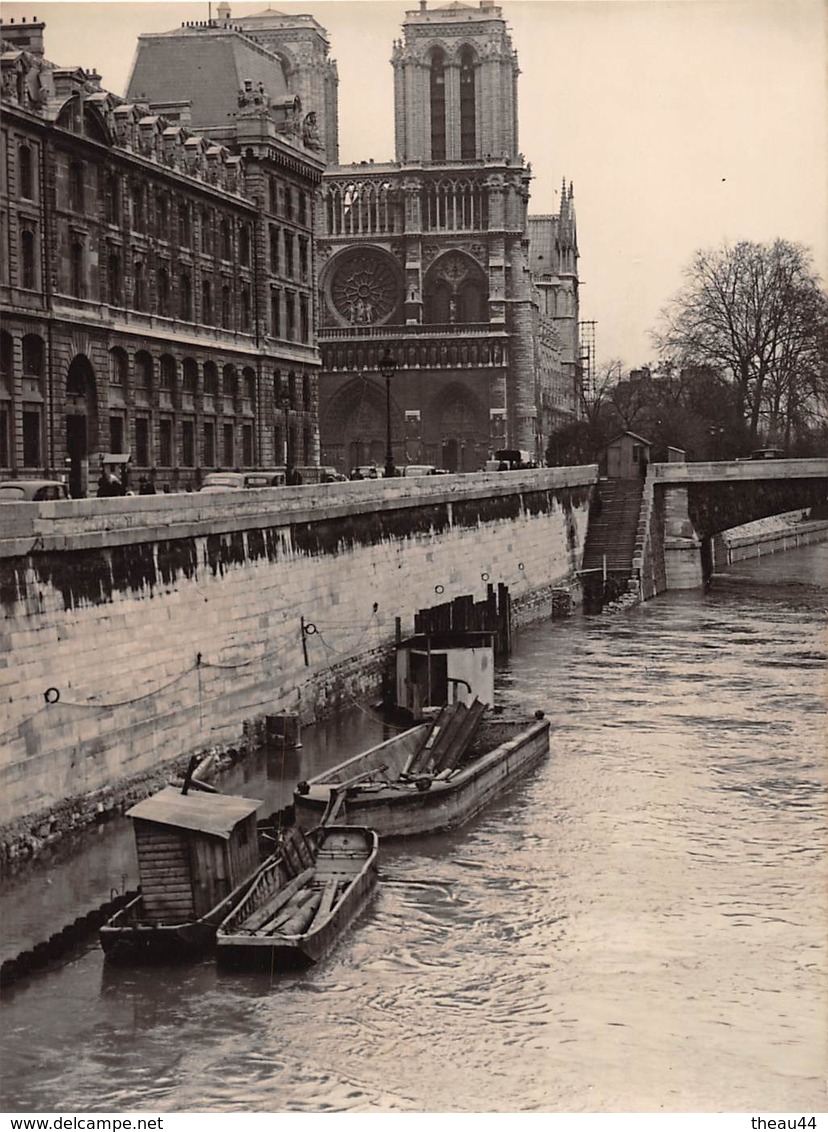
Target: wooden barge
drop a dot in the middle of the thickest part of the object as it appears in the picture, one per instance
(302, 901)
(432, 777)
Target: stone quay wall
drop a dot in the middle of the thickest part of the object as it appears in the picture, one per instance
(140, 629)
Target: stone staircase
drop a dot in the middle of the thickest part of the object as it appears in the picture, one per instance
(613, 526)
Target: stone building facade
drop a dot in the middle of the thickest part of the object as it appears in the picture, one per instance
(157, 283)
(430, 258)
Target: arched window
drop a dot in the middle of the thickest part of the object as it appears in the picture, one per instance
(118, 367)
(438, 105)
(468, 134)
(206, 301)
(228, 382)
(26, 167)
(33, 354)
(245, 306)
(306, 393)
(249, 383)
(226, 307)
(143, 370)
(189, 379)
(167, 372)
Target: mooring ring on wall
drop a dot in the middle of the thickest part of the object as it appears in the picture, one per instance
(310, 629)
(485, 575)
(521, 566)
(51, 695)
(438, 589)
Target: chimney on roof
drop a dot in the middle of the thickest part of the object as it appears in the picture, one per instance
(25, 37)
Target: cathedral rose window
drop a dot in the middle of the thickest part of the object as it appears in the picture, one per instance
(366, 287)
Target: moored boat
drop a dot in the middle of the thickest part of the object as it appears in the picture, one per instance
(197, 854)
(301, 901)
(434, 776)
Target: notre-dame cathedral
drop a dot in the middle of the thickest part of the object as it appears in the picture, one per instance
(434, 258)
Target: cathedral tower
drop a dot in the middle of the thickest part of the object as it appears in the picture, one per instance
(427, 256)
(455, 86)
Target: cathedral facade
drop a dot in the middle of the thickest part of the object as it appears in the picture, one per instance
(433, 260)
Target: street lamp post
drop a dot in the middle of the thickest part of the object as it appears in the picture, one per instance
(388, 367)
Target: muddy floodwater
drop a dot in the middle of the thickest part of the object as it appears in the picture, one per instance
(640, 925)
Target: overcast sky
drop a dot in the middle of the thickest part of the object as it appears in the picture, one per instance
(681, 123)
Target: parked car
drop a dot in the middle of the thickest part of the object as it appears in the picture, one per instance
(365, 472)
(419, 470)
(236, 481)
(32, 491)
(331, 475)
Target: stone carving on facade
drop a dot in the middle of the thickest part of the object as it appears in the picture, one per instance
(287, 114)
(310, 132)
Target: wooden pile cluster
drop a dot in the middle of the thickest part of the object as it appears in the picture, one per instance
(465, 615)
(447, 740)
(292, 904)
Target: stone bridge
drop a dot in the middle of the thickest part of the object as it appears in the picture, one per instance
(686, 505)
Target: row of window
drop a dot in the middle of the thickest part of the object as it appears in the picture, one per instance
(221, 444)
(291, 390)
(227, 306)
(290, 202)
(156, 212)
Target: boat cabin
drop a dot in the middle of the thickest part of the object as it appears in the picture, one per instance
(434, 669)
(193, 850)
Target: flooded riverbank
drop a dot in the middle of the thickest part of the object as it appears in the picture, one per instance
(639, 926)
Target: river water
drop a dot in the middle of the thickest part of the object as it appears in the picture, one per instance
(639, 926)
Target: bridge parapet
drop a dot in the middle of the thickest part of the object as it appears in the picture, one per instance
(694, 502)
(715, 470)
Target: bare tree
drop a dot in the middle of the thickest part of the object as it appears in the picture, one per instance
(756, 313)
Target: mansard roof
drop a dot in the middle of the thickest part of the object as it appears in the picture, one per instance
(207, 66)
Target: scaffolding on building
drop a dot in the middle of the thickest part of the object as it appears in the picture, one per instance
(586, 338)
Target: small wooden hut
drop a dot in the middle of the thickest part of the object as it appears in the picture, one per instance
(434, 669)
(193, 850)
